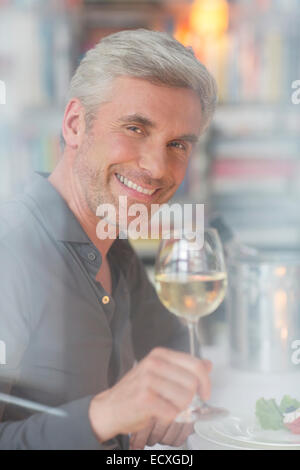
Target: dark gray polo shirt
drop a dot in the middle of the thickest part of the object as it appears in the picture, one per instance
(66, 339)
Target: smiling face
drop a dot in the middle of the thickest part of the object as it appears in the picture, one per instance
(139, 145)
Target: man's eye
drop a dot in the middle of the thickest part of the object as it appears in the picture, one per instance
(135, 129)
(178, 145)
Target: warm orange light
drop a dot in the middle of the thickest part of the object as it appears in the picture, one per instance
(284, 333)
(209, 17)
(280, 271)
(204, 28)
(280, 307)
(189, 302)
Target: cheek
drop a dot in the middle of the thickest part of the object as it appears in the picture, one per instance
(119, 149)
(179, 169)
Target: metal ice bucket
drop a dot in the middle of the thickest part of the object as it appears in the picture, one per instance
(263, 310)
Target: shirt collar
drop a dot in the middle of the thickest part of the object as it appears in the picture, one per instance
(54, 210)
(60, 220)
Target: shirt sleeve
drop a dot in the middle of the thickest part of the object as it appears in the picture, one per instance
(152, 324)
(65, 427)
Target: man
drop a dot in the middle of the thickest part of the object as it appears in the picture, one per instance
(77, 310)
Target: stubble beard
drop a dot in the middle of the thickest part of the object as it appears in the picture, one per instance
(92, 185)
(89, 178)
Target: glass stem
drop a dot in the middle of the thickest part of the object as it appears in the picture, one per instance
(197, 402)
(192, 338)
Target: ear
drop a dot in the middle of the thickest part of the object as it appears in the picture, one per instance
(73, 128)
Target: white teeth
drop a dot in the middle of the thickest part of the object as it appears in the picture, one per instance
(134, 186)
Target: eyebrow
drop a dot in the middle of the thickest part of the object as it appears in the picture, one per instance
(139, 119)
(143, 120)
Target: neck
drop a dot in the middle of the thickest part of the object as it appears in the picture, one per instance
(64, 181)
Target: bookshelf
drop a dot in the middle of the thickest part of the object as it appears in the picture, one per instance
(255, 172)
(36, 71)
(254, 148)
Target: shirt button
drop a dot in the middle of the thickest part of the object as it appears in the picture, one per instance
(91, 256)
(105, 299)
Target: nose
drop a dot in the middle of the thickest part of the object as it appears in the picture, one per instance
(154, 161)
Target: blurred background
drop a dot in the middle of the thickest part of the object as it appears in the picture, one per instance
(247, 167)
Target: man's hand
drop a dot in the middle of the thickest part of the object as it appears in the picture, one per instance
(159, 387)
(157, 432)
(174, 434)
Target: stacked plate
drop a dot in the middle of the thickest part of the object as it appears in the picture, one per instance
(239, 431)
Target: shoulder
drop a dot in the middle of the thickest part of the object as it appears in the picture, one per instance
(20, 231)
(15, 232)
(13, 218)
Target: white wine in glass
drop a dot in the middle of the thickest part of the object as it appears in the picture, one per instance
(191, 282)
(191, 296)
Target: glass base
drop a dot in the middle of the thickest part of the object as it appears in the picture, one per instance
(187, 416)
(199, 411)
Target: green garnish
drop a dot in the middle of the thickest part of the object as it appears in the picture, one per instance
(269, 414)
(288, 402)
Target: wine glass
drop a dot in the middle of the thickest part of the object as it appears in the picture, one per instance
(191, 282)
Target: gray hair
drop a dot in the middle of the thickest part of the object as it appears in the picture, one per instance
(150, 55)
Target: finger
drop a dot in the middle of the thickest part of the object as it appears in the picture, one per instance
(160, 364)
(177, 434)
(173, 435)
(178, 395)
(173, 364)
(139, 439)
(186, 430)
(207, 364)
(158, 432)
(175, 373)
(159, 408)
(185, 360)
(131, 441)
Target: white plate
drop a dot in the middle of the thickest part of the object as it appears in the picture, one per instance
(242, 431)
